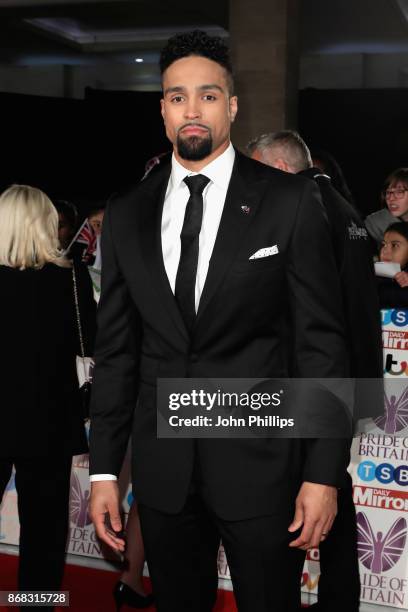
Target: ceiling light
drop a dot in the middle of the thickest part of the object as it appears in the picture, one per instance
(139, 60)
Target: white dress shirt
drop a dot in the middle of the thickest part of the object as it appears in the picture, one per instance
(175, 202)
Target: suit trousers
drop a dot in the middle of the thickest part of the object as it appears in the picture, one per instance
(339, 561)
(181, 552)
(42, 486)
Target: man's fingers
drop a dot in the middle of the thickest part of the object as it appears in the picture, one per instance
(305, 536)
(101, 531)
(99, 522)
(316, 536)
(113, 541)
(114, 517)
(321, 531)
(107, 535)
(297, 519)
(319, 506)
(312, 534)
(104, 512)
(112, 531)
(327, 528)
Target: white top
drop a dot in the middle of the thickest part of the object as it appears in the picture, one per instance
(177, 194)
(219, 172)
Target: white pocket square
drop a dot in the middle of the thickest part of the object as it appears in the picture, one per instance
(266, 252)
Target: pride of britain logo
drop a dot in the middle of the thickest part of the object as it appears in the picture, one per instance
(380, 551)
(78, 510)
(395, 417)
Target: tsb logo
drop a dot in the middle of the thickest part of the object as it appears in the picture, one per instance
(399, 318)
(384, 473)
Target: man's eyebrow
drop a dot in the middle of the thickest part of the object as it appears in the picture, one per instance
(181, 89)
(176, 89)
(211, 86)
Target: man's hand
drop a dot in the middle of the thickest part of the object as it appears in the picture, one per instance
(104, 502)
(316, 509)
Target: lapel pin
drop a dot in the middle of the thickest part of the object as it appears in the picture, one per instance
(246, 209)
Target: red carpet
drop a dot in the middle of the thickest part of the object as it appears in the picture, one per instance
(90, 589)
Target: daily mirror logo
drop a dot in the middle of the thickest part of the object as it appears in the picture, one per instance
(386, 499)
(396, 340)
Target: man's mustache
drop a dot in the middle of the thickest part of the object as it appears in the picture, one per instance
(200, 125)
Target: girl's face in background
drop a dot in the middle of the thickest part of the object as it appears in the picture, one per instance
(394, 249)
(96, 221)
(396, 198)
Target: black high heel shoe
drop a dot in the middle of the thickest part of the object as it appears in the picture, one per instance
(124, 594)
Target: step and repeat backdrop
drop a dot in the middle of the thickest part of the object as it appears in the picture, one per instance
(379, 468)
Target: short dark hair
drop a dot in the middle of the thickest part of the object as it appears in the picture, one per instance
(400, 227)
(400, 175)
(201, 44)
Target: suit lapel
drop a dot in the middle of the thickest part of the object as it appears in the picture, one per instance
(243, 197)
(151, 246)
(245, 190)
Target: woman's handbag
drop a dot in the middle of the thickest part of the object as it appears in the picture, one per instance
(84, 364)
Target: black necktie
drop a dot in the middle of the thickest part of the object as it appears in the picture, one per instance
(187, 268)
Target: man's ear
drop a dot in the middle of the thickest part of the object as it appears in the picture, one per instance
(233, 107)
(281, 164)
(162, 110)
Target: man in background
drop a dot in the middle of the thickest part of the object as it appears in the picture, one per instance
(287, 151)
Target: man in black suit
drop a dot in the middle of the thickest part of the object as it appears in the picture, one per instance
(287, 151)
(184, 296)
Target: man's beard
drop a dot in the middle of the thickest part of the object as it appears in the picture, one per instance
(194, 148)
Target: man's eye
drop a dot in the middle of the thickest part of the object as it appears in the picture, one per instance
(177, 99)
(209, 97)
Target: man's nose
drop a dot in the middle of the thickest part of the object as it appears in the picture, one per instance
(192, 110)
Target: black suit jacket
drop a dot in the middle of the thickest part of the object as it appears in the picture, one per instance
(361, 305)
(41, 411)
(248, 311)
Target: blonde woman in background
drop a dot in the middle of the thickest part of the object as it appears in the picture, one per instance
(41, 421)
